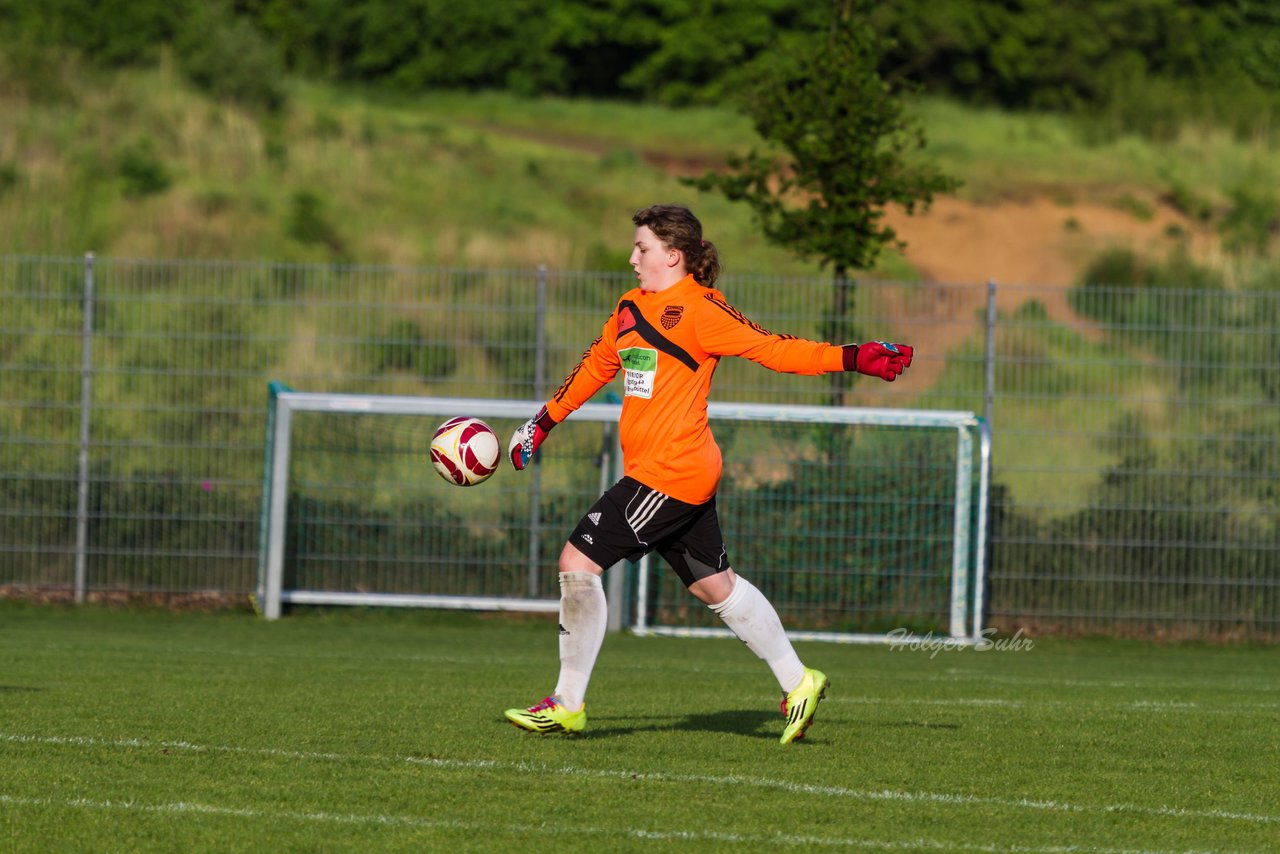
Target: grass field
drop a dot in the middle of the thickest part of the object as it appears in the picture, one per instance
(356, 731)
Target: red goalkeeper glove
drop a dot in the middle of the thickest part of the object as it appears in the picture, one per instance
(877, 359)
(528, 437)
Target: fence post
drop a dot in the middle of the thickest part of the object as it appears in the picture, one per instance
(86, 389)
(989, 390)
(539, 386)
(983, 537)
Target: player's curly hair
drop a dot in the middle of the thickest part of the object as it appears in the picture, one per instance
(678, 228)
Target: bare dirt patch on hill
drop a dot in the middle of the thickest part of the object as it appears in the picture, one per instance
(1035, 248)
(1036, 241)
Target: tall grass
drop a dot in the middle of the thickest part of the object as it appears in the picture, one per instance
(998, 154)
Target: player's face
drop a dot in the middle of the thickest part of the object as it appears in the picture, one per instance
(656, 265)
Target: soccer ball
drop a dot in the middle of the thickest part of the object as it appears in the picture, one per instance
(465, 451)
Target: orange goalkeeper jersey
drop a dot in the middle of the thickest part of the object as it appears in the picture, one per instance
(668, 344)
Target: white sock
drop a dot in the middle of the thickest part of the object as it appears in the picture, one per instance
(756, 624)
(583, 619)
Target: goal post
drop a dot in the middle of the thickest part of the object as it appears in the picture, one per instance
(855, 521)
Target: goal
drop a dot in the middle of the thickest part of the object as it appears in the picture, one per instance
(854, 521)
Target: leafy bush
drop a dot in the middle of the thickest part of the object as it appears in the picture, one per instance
(8, 177)
(228, 57)
(110, 34)
(308, 222)
(1253, 219)
(143, 172)
(1186, 200)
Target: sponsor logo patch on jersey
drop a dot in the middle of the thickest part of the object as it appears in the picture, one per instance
(626, 320)
(594, 517)
(587, 537)
(671, 316)
(641, 366)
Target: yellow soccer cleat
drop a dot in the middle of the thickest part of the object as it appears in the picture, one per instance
(801, 703)
(548, 716)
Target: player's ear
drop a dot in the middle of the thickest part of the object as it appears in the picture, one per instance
(674, 258)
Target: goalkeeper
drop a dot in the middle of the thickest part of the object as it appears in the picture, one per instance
(667, 336)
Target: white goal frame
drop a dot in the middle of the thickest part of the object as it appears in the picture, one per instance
(968, 533)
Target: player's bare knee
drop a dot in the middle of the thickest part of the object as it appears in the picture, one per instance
(573, 560)
(713, 589)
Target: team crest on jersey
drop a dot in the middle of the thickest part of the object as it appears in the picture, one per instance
(671, 316)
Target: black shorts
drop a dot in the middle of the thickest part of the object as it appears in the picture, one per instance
(631, 520)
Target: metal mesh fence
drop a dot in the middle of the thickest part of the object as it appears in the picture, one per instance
(1136, 455)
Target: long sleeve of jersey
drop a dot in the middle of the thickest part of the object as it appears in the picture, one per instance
(598, 365)
(725, 331)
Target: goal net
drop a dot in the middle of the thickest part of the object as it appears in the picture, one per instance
(854, 522)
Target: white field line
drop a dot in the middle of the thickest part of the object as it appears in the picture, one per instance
(732, 780)
(955, 675)
(562, 831)
(1004, 703)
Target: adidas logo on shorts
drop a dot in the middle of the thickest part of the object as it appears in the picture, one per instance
(587, 537)
(594, 517)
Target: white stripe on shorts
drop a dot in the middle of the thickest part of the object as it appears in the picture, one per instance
(641, 516)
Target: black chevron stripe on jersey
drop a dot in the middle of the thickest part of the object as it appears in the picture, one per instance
(649, 333)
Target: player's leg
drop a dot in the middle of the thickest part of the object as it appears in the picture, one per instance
(751, 616)
(755, 621)
(583, 614)
(583, 617)
(699, 557)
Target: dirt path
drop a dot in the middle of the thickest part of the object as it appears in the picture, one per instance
(1033, 242)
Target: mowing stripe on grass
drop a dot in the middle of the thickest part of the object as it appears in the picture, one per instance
(183, 807)
(704, 779)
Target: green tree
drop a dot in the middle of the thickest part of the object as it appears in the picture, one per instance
(846, 152)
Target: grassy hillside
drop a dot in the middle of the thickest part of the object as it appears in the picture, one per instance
(138, 164)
